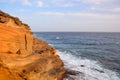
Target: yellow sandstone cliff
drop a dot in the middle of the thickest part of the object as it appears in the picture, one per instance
(24, 57)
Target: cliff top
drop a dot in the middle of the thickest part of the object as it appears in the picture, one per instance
(5, 18)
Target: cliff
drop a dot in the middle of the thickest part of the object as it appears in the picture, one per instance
(24, 57)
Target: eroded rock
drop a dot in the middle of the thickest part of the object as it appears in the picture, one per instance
(24, 56)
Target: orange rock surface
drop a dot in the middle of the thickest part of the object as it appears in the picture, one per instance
(24, 57)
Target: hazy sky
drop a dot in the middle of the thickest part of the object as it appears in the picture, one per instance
(66, 15)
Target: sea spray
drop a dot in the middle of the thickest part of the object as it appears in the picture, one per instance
(92, 70)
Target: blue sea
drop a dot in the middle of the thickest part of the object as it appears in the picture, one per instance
(96, 55)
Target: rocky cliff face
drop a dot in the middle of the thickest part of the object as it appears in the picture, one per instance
(24, 57)
(15, 36)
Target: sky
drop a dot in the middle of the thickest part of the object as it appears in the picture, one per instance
(66, 15)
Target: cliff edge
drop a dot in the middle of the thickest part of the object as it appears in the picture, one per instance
(24, 57)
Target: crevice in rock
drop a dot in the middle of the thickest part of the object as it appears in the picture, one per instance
(25, 42)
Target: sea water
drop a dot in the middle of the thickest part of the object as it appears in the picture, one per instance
(95, 55)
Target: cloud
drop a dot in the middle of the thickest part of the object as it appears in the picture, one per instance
(61, 3)
(76, 2)
(51, 13)
(79, 21)
(100, 2)
(95, 1)
(117, 9)
(68, 5)
(82, 15)
(26, 2)
(110, 10)
(94, 15)
(39, 3)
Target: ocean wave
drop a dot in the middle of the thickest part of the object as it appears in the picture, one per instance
(85, 69)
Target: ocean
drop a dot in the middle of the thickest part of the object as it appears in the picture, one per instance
(95, 55)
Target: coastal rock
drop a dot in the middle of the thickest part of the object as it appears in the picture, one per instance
(15, 37)
(24, 57)
(7, 74)
(72, 75)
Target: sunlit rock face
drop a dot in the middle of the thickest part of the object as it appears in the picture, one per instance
(24, 57)
(15, 36)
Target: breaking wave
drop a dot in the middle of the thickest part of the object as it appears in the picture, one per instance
(85, 69)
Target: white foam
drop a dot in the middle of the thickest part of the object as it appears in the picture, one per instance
(57, 37)
(91, 70)
(50, 44)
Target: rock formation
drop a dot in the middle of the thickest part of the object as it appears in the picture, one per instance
(24, 57)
